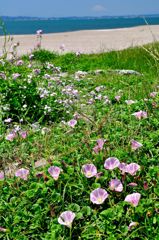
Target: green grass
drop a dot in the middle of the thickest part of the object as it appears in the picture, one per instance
(133, 58)
(30, 209)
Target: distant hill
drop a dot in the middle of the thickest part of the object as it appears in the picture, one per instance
(25, 18)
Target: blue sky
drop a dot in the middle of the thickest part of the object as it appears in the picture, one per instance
(63, 8)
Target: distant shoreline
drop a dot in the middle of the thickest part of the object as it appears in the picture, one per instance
(78, 17)
(89, 41)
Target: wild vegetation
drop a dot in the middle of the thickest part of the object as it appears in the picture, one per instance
(79, 146)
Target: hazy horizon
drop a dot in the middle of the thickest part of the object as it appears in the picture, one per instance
(74, 16)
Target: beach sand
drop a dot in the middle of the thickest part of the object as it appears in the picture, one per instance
(89, 41)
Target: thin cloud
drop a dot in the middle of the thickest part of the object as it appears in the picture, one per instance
(98, 8)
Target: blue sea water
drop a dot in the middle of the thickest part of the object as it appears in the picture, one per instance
(20, 26)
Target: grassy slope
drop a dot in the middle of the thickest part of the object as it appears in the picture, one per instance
(29, 209)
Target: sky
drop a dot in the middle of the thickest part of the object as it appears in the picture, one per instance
(66, 8)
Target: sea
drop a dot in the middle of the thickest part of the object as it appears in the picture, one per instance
(26, 25)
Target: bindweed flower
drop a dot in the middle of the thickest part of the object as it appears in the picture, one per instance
(80, 74)
(96, 149)
(20, 62)
(100, 143)
(2, 75)
(135, 145)
(98, 196)
(8, 120)
(99, 146)
(11, 136)
(139, 115)
(132, 168)
(22, 173)
(153, 94)
(122, 166)
(116, 185)
(66, 218)
(111, 163)
(132, 224)
(129, 102)
(72, 123)
(89, 170)
(117, 98)
(133, 199)
(37, 71)
(16, 128)
(15, 75)
(23, 134)
(54, 172)
(1, 175)
(40, 163)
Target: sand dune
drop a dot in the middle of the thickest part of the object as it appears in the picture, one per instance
(90, 41)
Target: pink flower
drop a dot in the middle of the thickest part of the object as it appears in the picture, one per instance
(98, 196)
(129, 102)
(135, 145)
(40, 163)
(11, 136)
(66, 218)
(111, 163)
(153, 94)
(139, 115)
(1, 175)
(133, 199)
(132, 224)
(8, 120)
(99, 146)
(54, 172)
(116, 185)
(15, 75)
(122, 166)
(96, 149)
(132, 168)
(23, 134)
(72, 123)
(117, 98)
(37, 71)
(20, 62)
(22, 173)
(89, 170)
(2, 75)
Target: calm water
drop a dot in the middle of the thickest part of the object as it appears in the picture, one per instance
(65, 25)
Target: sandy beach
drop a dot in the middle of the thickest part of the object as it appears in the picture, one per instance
(89, 41)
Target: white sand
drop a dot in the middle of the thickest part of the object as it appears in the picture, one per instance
(90, 41)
